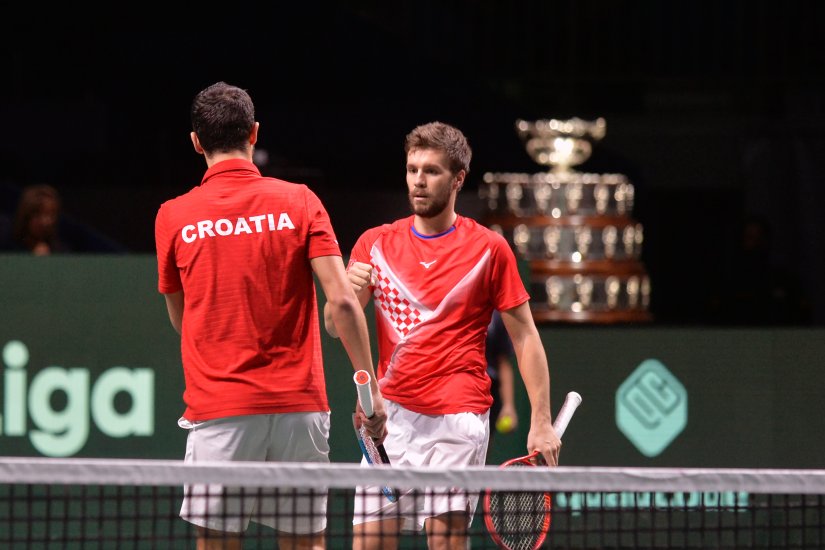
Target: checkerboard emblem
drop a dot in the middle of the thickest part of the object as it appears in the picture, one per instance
(400, 311)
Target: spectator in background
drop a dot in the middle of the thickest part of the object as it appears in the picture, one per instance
(35, 226)
(32, 221)
(499, 353)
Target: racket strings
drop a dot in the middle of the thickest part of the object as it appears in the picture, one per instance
(520, 519)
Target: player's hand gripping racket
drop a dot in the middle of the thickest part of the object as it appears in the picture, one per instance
(519, 520)
(373, 452)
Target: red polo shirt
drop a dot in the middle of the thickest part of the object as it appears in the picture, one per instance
(239, 247)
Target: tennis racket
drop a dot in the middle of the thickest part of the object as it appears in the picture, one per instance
(520, 520)
(373, 452)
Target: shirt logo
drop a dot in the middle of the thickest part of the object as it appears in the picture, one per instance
(428, 264)
(224, 227)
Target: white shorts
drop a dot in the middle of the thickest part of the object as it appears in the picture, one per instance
(291, 437)
(452, 440)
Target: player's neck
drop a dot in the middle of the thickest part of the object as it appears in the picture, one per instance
(215, 158)
(435, 225)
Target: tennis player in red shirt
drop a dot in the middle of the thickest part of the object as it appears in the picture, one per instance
(435, 278)
(236, 257)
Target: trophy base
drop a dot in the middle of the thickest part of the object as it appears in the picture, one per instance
(601, 291)
(544, 315)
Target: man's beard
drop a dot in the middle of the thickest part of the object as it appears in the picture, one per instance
(435, 206)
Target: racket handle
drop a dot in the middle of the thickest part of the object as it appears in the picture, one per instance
(362, 386)
(571, 402)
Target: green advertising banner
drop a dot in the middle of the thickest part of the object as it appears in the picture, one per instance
(90, 367)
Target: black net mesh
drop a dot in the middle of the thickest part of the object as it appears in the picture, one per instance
(91, 514)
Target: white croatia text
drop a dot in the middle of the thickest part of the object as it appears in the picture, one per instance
(224, 227)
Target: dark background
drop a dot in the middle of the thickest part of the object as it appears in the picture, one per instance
(715, 110)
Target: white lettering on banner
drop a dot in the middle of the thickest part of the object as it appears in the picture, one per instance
(63, 431)
(224, 227)
(577, 502)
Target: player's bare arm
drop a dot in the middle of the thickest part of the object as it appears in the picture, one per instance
(532, 362)
(360, 276)
(174, 306)
(347, 316)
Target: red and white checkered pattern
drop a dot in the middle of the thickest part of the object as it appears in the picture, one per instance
(400, 311)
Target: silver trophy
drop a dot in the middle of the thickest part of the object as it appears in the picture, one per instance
(583, 236)
(554, 288)
(561, 144)
(552, 237)
(584, 290)
(610, 236)
(521, 238)
(574, 229)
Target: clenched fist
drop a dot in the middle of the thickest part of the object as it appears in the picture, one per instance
(360, 275)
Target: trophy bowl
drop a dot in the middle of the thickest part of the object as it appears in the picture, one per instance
(560, 143)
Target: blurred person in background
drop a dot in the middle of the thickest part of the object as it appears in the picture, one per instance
(35, 227)
(499, 353)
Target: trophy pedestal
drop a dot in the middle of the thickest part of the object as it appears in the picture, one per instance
(574, 229)
(595, 291)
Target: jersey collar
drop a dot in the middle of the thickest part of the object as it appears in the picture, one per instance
(231, 165)
(437, 235)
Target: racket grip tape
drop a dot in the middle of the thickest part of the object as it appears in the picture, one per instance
(571, 402)
(362, 386)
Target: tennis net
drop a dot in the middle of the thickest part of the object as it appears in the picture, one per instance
(123, 504)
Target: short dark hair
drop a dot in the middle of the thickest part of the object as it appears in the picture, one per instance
(437, 135)
(223, 117)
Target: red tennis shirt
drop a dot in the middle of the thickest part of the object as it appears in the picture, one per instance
(239, 246)
(434, 296)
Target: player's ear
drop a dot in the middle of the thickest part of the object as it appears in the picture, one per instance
(196, 143)
(253, 134)
(458, 181)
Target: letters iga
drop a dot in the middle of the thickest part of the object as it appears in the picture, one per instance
(64, 432)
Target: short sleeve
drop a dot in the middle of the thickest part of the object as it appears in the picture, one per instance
(362, 251)
(322, 241)
(168, 274)
(508, 288)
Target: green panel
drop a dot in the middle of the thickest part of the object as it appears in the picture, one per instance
(750, 393)
(85, 316)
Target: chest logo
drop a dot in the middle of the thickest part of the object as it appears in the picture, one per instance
(428, 264)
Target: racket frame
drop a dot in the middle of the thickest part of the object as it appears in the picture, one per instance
(571, 402)
(362, 386)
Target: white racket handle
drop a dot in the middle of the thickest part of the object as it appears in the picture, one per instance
(362, 386)
(571, 402)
